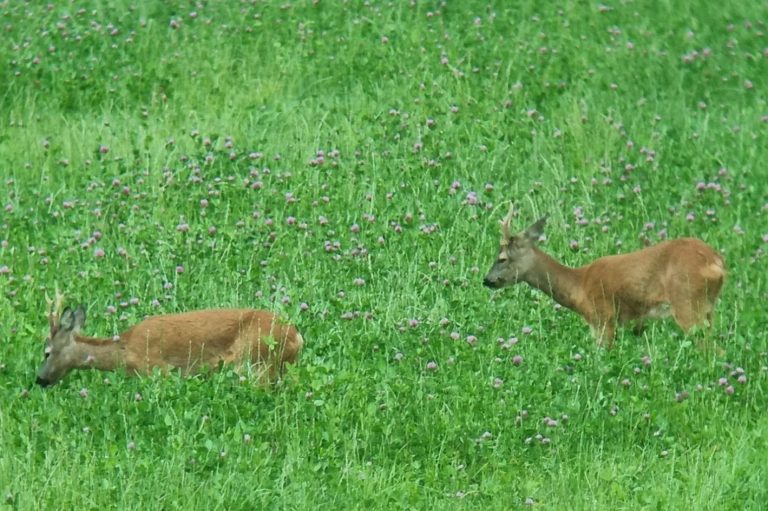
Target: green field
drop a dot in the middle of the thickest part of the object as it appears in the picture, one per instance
(346, 164)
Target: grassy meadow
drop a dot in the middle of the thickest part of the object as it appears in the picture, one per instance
(346, 164)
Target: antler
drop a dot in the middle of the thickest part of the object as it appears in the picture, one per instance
(505, 233)
(54, 310)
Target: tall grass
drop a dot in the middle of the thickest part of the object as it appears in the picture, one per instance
(345, 164)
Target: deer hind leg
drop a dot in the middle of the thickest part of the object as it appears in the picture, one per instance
(685, 317)
(691, 307)
(697, 313)
(273, 364)
(689, 302)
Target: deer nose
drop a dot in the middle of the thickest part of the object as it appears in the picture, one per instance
(488, 282)
(42, 382)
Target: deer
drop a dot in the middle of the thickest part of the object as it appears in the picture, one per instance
(680, 278)
(192, 342)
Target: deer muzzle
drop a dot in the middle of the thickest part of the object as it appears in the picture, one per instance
(42, 382)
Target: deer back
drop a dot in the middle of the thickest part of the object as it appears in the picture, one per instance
(684, 269)
(208, 337)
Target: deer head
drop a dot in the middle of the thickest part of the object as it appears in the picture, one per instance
(516, 253)
(60, 355)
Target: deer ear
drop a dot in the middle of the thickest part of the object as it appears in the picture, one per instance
(79, 317)
(67, 319)
(72, 320)
(535, 231)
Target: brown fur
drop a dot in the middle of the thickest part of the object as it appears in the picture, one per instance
(680, 277)
(191, 342)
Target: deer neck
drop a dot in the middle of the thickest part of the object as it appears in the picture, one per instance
(96, 353)
(560, 282)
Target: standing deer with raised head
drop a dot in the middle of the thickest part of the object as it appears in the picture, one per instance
(191, 341)
(680, 277)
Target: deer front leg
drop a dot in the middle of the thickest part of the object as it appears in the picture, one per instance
(602, 321)
(604, 332)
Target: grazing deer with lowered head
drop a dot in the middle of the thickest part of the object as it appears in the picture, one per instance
(191, 341)
(680, 277)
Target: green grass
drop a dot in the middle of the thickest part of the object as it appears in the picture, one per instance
(644, 120)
